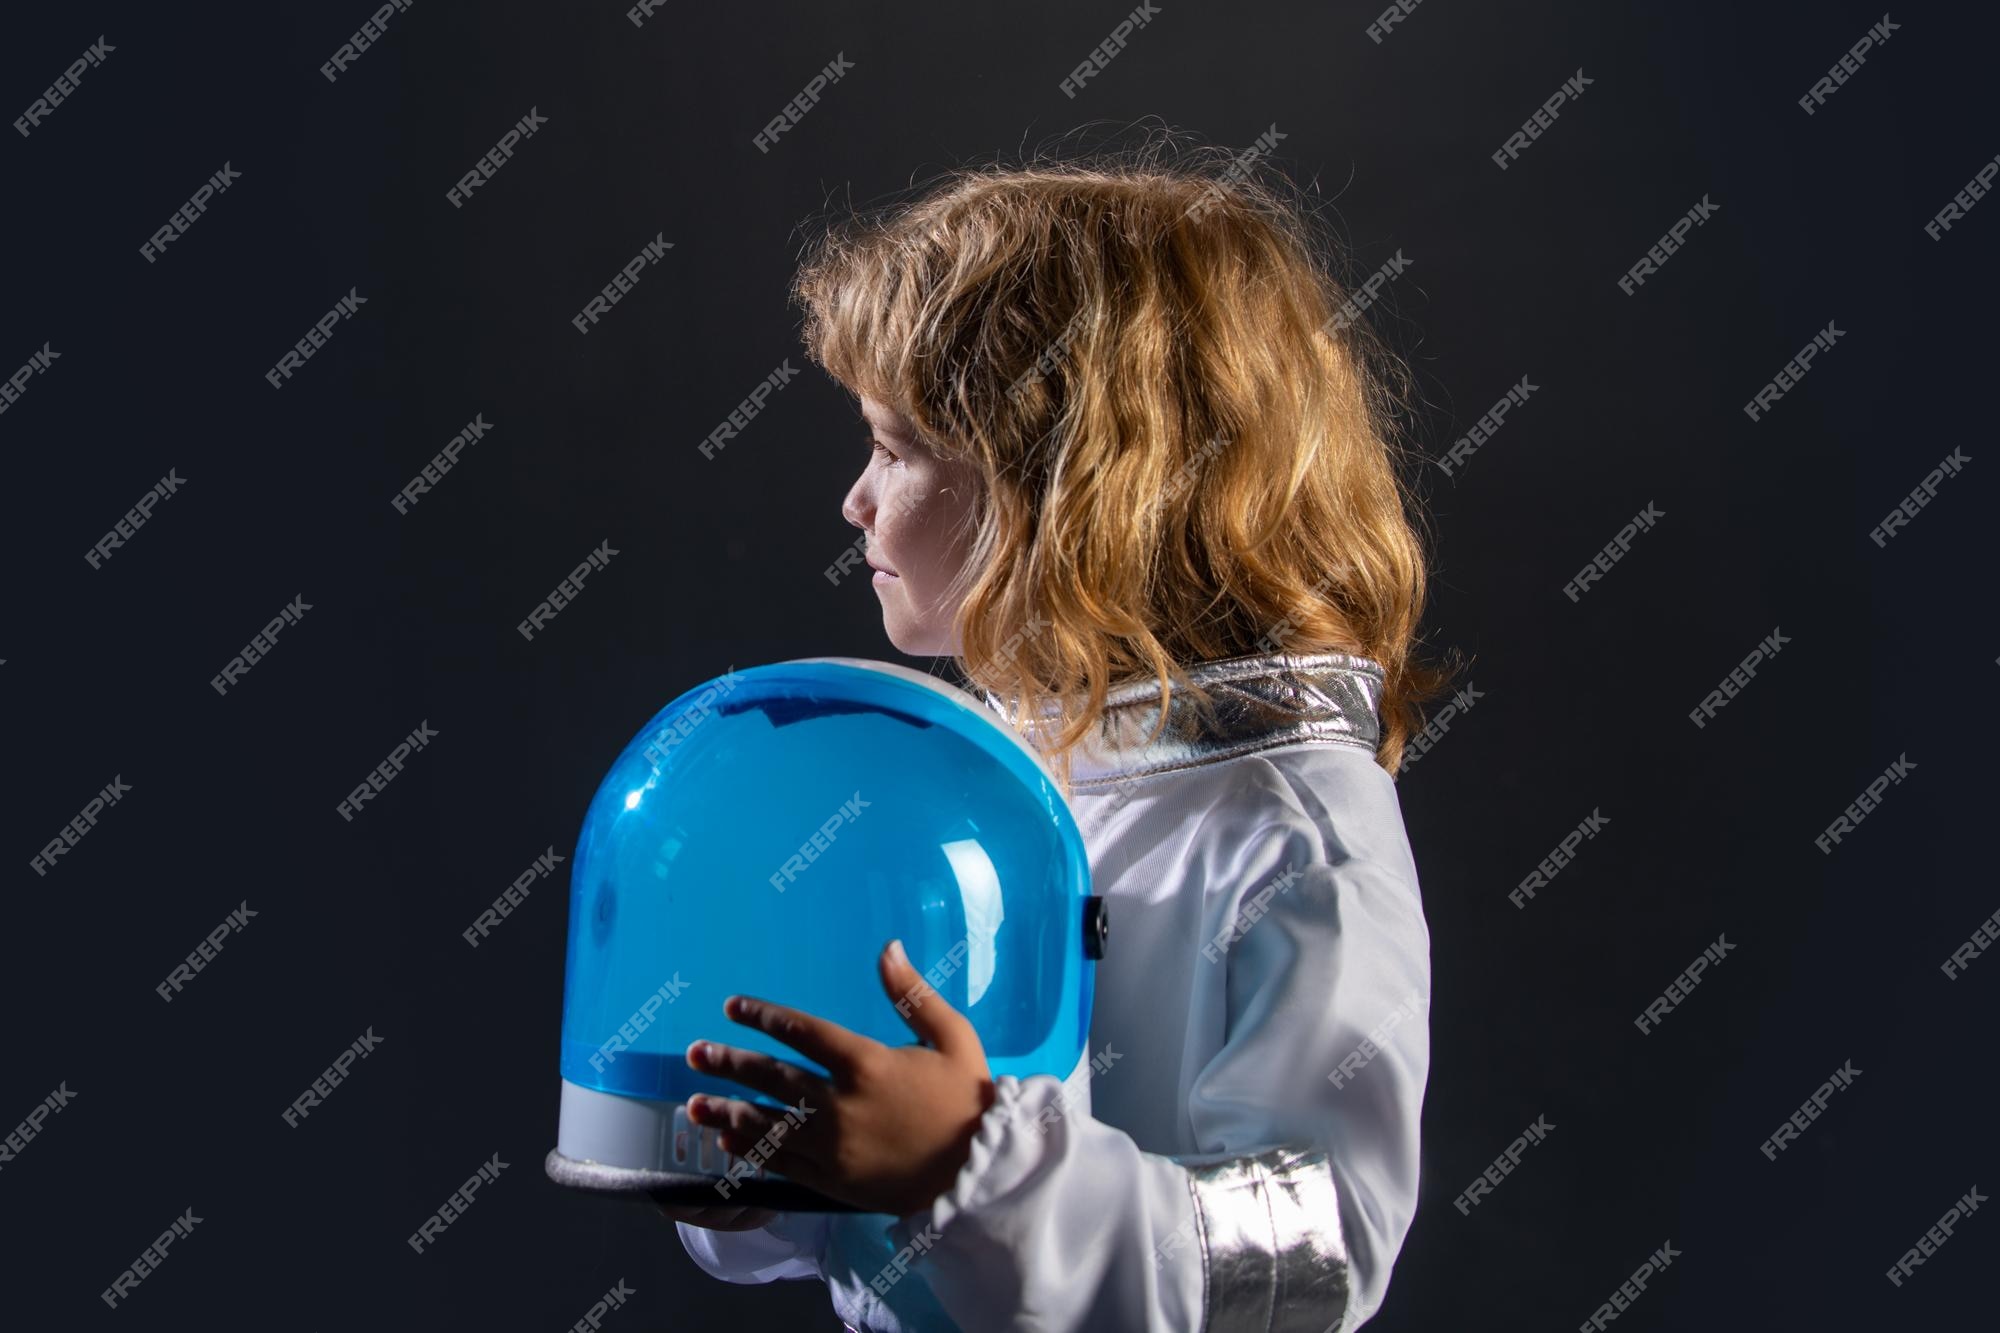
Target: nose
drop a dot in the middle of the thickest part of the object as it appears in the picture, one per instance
(859, 506)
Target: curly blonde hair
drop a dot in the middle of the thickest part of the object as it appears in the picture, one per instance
(1189, 446)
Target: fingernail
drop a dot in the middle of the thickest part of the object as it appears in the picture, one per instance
(896, 951)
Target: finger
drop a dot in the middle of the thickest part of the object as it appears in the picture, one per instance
(753, 1069)
(928, 1013)
(738, 1124)
(836, 1048)
(780, 1141)
(784, 1149)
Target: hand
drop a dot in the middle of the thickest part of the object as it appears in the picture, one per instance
(717, 1217)
(892, 1126)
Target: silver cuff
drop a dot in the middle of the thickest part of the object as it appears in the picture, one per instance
(1273, 1257)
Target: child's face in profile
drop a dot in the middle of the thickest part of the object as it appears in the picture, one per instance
(914, 506)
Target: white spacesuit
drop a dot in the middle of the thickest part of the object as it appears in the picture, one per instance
(1259, 1044)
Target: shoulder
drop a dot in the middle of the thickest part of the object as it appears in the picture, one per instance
(1309, 841)
(1305, 783)
(1341, 792)
(1304, 803)
(1311, 838)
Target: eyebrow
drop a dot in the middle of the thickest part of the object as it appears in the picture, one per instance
(890, 431)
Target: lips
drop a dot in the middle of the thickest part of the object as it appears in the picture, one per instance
(883, 569)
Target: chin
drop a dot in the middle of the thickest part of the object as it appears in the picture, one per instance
(915, 642)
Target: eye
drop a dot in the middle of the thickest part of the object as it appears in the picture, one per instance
(881, 448)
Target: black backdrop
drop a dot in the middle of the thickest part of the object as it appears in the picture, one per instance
(1580, 706)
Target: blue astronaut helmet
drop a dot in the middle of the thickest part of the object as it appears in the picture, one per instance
(766, 834)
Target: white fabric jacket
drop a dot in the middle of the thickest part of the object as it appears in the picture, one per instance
(1245, 1156)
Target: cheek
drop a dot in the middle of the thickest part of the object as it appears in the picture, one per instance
(920, 509)
(905, 511)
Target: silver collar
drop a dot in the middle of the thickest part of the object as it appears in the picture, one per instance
(1261, 701)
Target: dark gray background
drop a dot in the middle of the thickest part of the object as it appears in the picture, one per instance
(720, 563)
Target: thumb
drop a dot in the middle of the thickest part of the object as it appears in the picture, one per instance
(928, 1013)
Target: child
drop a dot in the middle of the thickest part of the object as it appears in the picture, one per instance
(1132, 468)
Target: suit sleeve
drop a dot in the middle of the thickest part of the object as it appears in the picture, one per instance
(789, 1247)
(1290, 1216)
